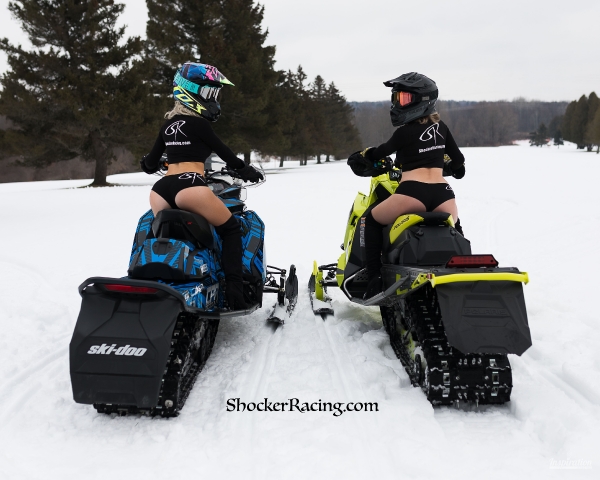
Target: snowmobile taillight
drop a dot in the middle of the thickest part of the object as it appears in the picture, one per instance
(130, 289)
(468, 261)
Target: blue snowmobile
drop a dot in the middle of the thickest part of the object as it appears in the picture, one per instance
(140, 341)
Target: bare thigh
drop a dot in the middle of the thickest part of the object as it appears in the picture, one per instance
(391, 208)
(157, 203)
(200, 200)
(449, 206)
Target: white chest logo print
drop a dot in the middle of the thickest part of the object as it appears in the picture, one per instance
(431, 133)
(174, 128)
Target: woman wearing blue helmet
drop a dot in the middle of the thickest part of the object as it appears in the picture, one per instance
(189, 139)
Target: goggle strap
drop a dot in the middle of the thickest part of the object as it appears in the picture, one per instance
(186, 84)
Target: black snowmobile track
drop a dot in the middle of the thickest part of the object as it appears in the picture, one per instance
(445, 375)
(191, 344)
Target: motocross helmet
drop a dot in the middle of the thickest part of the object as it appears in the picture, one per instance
(197, 86)
(413, 96)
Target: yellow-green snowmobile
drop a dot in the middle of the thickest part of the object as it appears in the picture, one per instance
(452, 317)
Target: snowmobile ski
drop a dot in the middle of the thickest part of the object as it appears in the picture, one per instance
(287, 294)
(317, 287)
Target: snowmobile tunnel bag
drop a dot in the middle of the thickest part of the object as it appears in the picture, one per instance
(121, 341)
(423, 239)
(485, 316)
(168, 259)
(182, 225)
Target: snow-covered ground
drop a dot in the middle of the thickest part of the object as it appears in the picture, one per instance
(534, 208)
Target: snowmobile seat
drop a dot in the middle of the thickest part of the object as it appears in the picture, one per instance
(423, 239)
(186, 226)
(433, 218)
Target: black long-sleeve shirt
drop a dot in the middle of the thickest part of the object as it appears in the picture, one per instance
(420, 146)
(189, 139)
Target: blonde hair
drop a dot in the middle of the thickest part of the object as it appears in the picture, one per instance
(433, 118)
(180, 109)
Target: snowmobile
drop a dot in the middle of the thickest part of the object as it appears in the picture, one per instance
(452, 317)
(140, 341)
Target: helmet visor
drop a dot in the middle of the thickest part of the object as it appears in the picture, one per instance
(403, 98)
(209, 92)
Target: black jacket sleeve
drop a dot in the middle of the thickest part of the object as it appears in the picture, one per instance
(151, 160)
(223, 151)
(458, 159)
(389, 147)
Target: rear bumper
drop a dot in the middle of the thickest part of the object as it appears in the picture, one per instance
(483, 310)
(485, 316)
(121, 343)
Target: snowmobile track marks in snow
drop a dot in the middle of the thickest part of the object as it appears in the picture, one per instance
(37, 368)
(256, 381)
(346, 381)
(24, 395)
(554, 381)
(262, 363)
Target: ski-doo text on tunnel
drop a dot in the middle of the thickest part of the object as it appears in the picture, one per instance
(140, 341)
(452, 316)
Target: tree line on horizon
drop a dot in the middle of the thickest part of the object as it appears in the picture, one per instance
(84, 91)
(580, 124)
(473, 124)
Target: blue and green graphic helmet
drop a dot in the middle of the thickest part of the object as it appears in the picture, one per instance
(197, 86)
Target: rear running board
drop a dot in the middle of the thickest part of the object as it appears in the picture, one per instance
(383, 297)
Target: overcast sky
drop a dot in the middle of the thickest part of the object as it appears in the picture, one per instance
(473, 49)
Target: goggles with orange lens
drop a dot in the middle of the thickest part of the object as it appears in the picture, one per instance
(403, 98)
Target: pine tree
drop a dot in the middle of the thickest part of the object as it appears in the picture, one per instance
(558, 139)
(79, 91)
(346, 138)
(567, 123)
(594, 130)
(593, 105)
(281, 111)
(539, 137)
(579, 121)
(554, 125)
(176, 32)
(301, 136)
(321, 118)
(228, 35)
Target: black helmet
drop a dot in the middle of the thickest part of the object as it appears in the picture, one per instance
(413, 96)
(197, 86)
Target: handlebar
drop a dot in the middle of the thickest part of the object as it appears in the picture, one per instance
(163, 166)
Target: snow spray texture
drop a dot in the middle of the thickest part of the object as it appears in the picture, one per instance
(295, 405)
(199, 264)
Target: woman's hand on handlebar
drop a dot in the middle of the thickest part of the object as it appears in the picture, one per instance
(249, 174)
(146, 169)
(451, 170)
(459, 172)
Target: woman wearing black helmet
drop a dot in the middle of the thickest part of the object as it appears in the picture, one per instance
(189, 140)
(420, 144)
